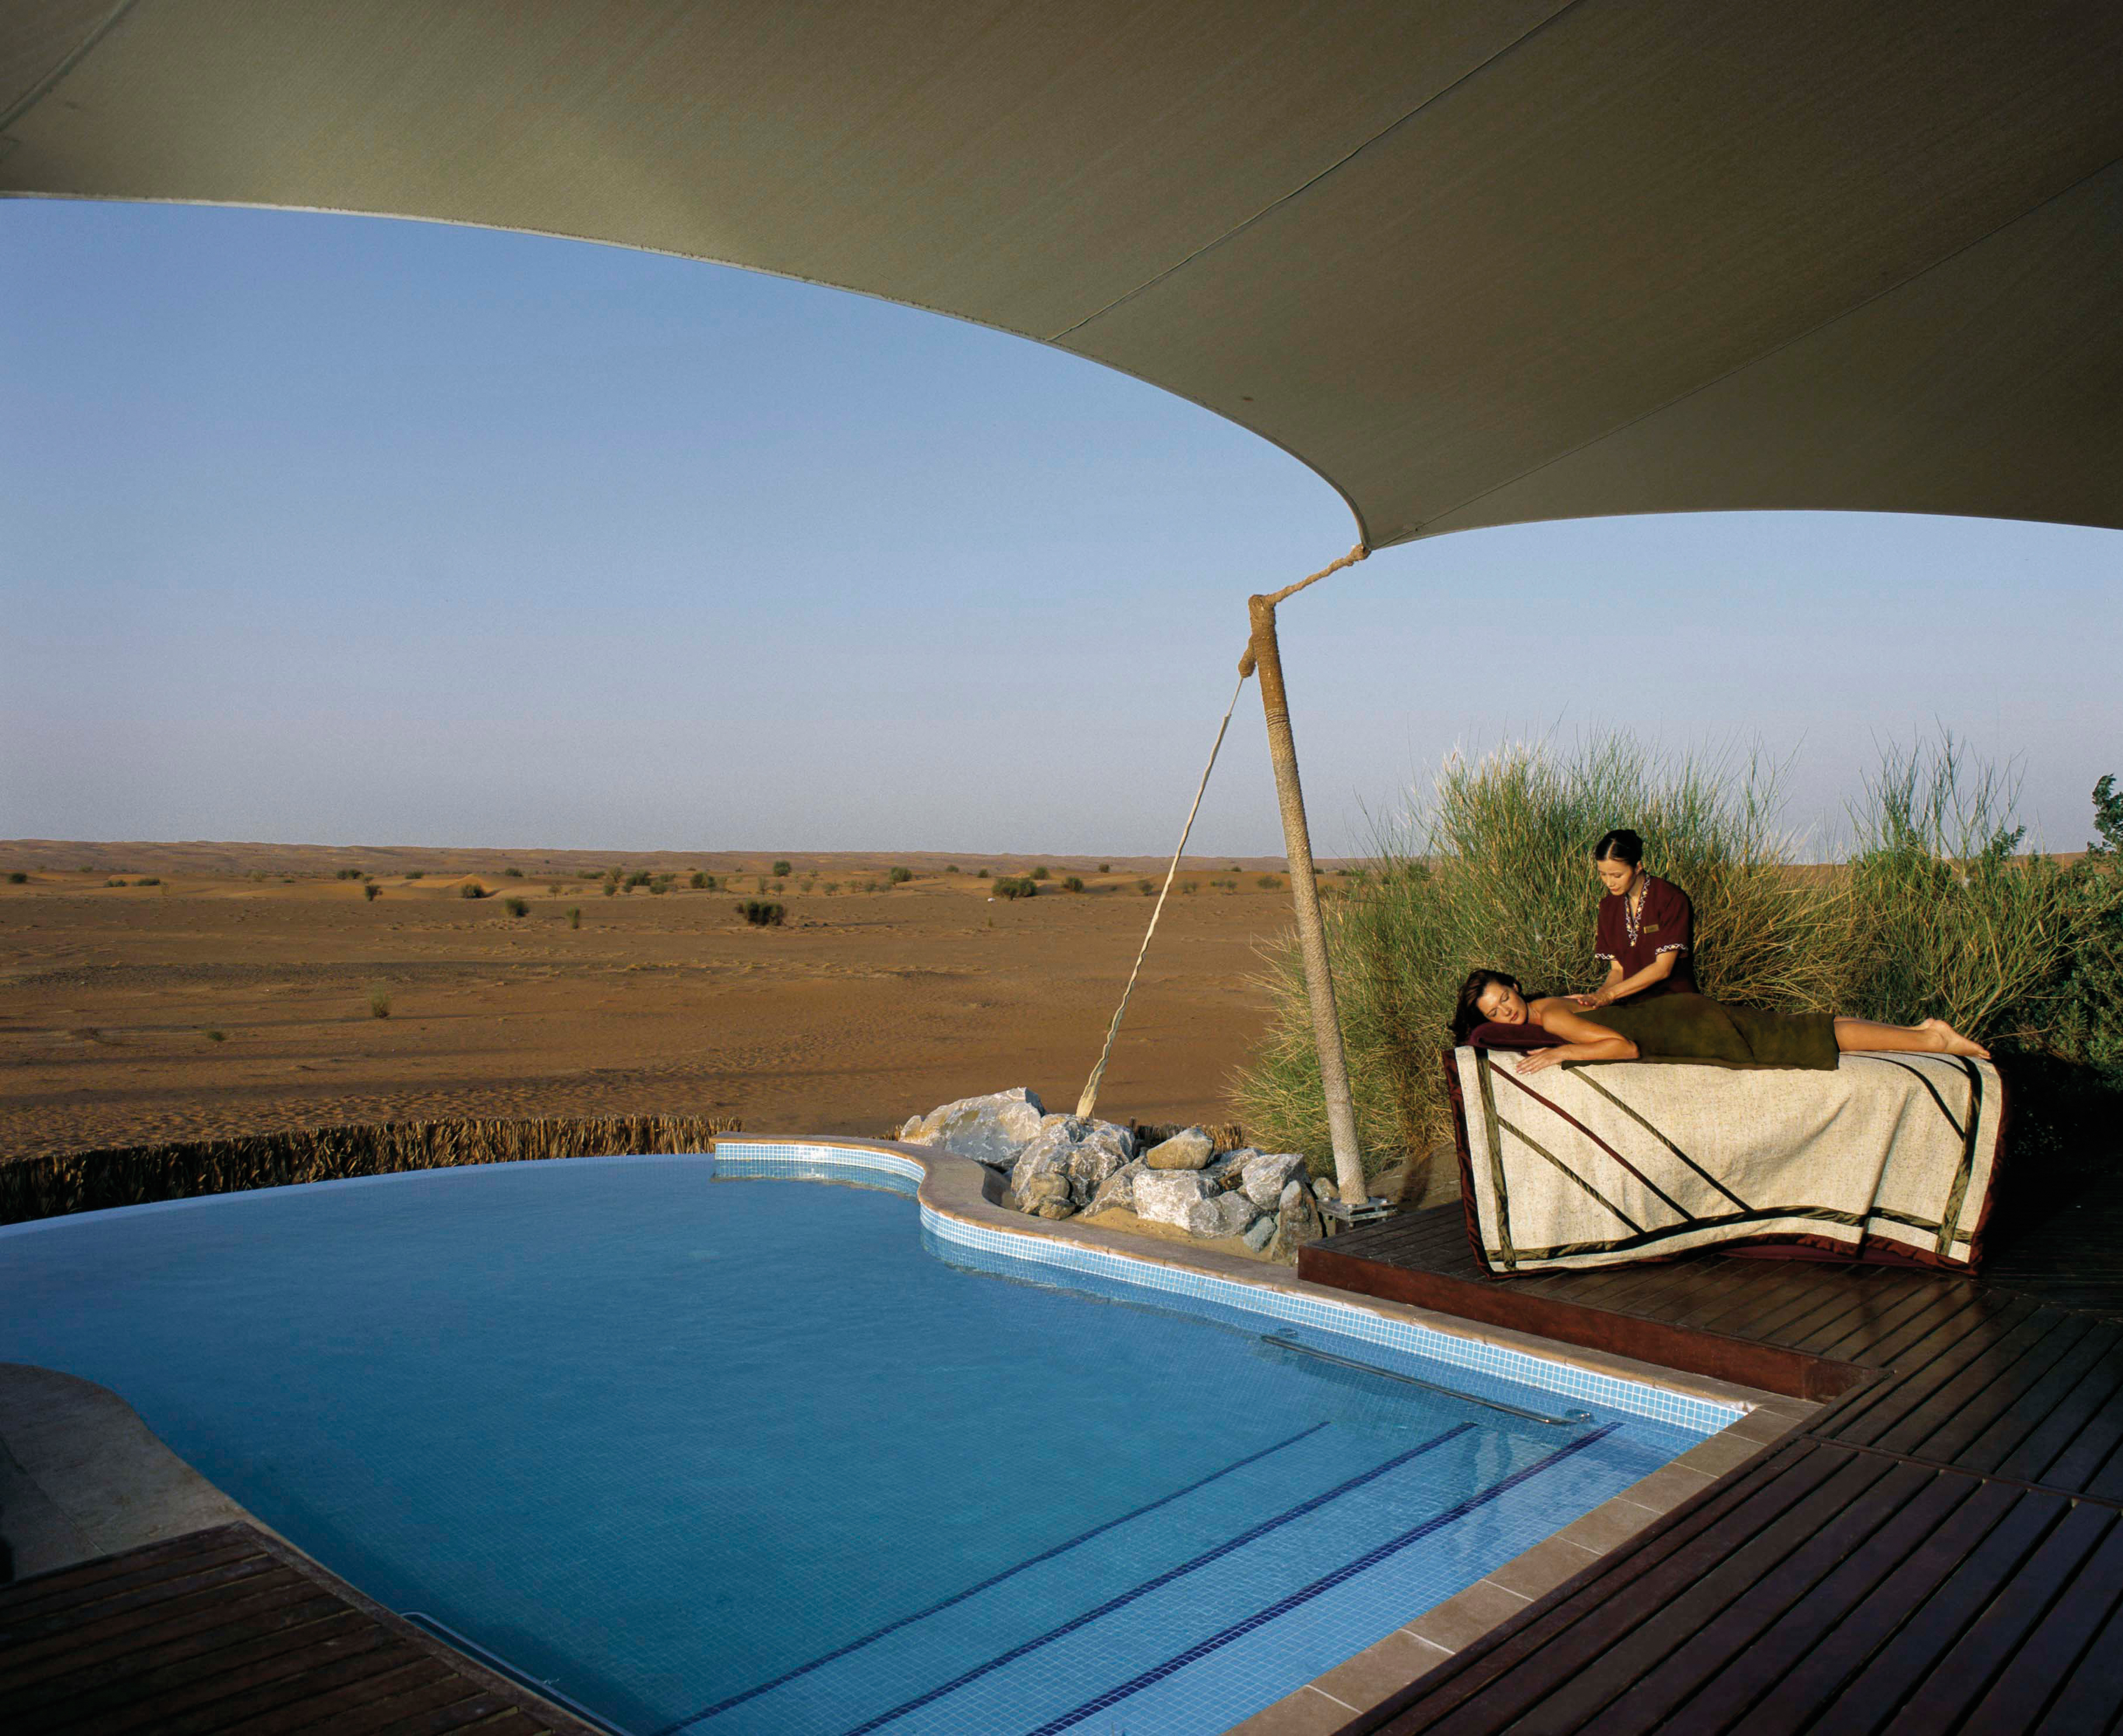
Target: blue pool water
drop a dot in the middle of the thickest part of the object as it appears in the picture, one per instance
(747, 1456)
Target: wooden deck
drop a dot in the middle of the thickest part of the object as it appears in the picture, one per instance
(1941, 1548)
(226, 1630)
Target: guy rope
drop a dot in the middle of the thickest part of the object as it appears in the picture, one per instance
(1264, 653)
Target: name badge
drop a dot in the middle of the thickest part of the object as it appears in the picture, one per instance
(1651, 927)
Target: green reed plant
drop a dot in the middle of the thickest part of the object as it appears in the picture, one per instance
(1492, 866)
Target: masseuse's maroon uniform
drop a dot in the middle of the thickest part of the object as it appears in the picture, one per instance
(1665, 923)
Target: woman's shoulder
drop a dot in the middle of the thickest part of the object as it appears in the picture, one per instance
(1664, 890)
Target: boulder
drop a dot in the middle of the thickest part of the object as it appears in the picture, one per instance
(1191, 1148)
(1046, 1195)
(1297, 1221)
(1118, 1188)
(1184, 1199)
(1266, 1173)
(1261, 1231)
(991, 1130)
(1083, 1153)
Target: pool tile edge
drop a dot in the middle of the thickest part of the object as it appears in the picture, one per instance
(952, 1191)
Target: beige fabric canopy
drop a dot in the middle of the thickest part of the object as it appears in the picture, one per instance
(1476, 262)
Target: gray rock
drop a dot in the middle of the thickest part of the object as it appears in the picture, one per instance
(1118, 1188)
(1083, 1153)
(1261, 1231)
(1182, 1198)
(1176, 1197)
(1268, 1173)
(1191, 1148)
(1046, 1195)
(991, 1129)
(1297, 1221)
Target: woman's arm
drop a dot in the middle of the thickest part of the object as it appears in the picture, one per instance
(1606, 992)
(1582, 1040)
(1612, 990)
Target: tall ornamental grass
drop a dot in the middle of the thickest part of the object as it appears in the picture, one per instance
(1934, 914)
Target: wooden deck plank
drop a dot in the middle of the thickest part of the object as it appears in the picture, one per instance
(1911, 1652)
(1964, 1673)
(2074, 1465)
(2051, 1416)
(230, 1630)
(1641, 1660)
(2032, 1678)
(2087, 1699)
(1764, 1667)
(1985, 1383)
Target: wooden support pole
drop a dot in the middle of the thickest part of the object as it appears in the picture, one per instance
(1262, 650)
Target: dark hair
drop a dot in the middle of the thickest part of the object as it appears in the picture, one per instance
(1619, 846)
(1466, 1015)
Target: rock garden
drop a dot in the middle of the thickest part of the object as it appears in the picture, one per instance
(1063, 1166)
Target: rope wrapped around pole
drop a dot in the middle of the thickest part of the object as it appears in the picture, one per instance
(1086, 1102)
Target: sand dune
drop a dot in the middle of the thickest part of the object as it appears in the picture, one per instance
(868, 1006)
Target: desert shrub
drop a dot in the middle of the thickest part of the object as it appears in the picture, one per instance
(1105, 867)
(612, 889)
(981, 874)
(471, 889)
(17, 877)
(832, 886)
(702, 881)
(379, 1005)
(2088, 1022)
(590, 873)
(517, 907)
(1493, 868)
(1146, 887)
(512, 873)
(148, 880)
(1072, 884)
(372, 892)
(113, 882)
(347, 873)
(1014, 888)
(1270, 882)
(661, 885)
(900, 876)
(552, 889)
(1039, 872)
(574, 916)
(217, 1036)
(1946, 921)
(950, 868)
(781, 870)
(416, 873)
(639, 877)
(761, 915)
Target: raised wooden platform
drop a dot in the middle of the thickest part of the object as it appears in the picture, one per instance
(228, 1630)
(1939, 1548)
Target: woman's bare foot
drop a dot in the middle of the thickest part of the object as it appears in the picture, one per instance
(1951, 1042)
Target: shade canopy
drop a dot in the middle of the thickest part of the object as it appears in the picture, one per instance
(1476, 262)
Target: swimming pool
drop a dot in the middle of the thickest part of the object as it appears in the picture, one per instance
(710, 1448)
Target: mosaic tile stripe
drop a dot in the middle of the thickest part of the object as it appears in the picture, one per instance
(1304, 1595)
(1635, 1398)
(972, 1591)
(1136, 1593)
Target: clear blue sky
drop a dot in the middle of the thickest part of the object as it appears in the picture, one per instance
(334, 530)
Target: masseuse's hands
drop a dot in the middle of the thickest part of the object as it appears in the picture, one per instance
(1589, 1000)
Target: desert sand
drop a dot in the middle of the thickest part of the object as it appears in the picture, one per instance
(867, 1007)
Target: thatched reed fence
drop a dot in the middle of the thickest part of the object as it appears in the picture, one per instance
(136, 1175)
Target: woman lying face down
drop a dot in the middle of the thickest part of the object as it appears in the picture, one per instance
(1497, 998)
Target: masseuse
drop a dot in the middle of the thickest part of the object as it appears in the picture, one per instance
(1646, 933)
